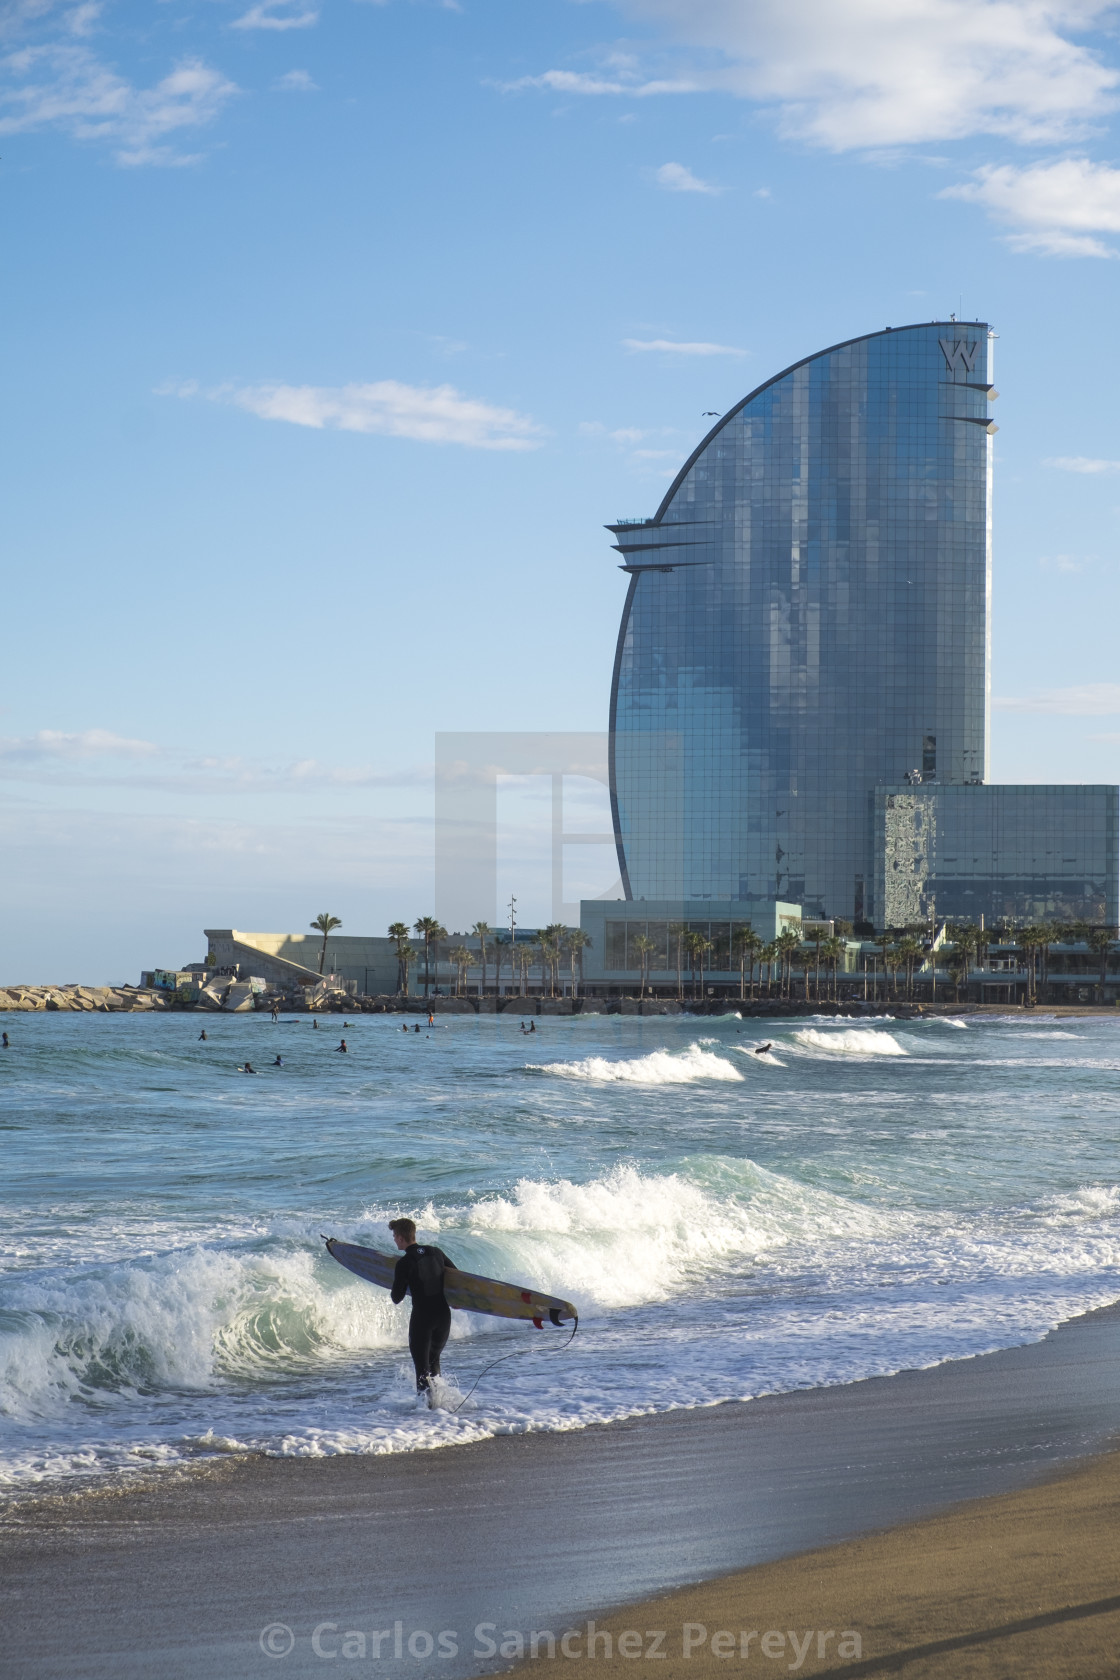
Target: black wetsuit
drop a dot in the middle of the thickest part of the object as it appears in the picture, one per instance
(419, 1273)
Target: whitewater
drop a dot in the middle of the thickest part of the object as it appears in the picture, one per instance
(868, 1196)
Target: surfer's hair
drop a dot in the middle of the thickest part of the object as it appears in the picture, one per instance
(403, 1228)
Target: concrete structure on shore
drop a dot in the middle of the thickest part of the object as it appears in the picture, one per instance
(369, 965)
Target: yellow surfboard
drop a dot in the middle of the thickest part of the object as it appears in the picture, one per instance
(463, 1290)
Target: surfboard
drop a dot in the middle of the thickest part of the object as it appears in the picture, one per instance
(463, 1290)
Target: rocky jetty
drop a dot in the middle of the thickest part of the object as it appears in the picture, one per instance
(103, 999)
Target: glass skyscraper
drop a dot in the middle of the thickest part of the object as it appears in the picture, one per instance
(807, 621)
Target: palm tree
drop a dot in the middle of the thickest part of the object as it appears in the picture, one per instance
(432, 933)
(910, 950)
(769, 956)
(482, 932)
(462, 956)
(679, 933)
(747, 947)
(399, 932)
(965, 942)
(1100, 940)
(884, 942)
(644, 947)
(892, 962)
(557, 935)
(787, 942)
(325, 925)
(577, 943)
(832, 950)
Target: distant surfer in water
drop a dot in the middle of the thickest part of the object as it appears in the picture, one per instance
(278, 1062)
(763, 1049)
(202, 1034)
(343, 1048)
(419, 1273)
(248, 1068)
(6, 1044)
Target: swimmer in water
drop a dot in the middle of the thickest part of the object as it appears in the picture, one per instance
(278, 1062)
(342, 1047)
(416, 1028)
(6, 1045)
(404, 1026)
(315, 1021)
(763, 1049)
(202, 1034)
(248, 1068)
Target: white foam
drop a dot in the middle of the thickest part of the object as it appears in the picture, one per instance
(660, 1067)
(850, 1041)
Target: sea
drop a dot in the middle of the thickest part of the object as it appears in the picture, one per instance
(864, 1197)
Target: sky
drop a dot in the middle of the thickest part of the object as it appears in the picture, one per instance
(335, 332)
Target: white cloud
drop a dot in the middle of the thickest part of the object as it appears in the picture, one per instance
(671, 346)
(275, 14)
(295, 81)
(428, 414)
(675, 177)
(1082, 464)
(1056, 207)
(67, 87)
(85, 743)
(573, 81)
(859, 73)
(1082, 700)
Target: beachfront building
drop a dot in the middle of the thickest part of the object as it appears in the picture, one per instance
(808, 623)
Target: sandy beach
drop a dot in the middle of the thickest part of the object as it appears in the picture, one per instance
(430, 1562)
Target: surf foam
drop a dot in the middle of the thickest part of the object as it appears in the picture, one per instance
(660, 1067)
(850, 1041)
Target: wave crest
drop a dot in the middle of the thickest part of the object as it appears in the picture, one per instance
(660, 1067)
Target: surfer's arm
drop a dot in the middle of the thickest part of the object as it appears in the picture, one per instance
(399, 1288)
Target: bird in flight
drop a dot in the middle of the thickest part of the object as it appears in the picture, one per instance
(712, 411)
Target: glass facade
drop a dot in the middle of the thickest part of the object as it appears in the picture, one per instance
(1009, 854)
(807, 620)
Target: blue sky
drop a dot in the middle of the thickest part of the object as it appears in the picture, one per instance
(336, 331)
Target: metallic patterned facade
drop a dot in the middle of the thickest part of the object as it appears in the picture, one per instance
(808, 620)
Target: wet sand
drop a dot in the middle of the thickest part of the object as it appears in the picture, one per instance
(1025, 1584)
(180, 1577)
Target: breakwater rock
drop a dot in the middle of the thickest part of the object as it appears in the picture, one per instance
(100, 999)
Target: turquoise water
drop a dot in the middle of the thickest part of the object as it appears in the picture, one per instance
(868, 1197)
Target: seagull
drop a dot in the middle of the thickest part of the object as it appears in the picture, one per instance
(714, 412)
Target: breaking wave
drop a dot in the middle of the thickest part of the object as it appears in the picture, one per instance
(660, 1067)
(851, 1041)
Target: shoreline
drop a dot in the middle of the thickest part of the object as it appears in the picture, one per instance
(181, 1574)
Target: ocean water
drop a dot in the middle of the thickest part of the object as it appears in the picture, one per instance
(864, 1197)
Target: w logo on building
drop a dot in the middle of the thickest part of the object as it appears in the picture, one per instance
(959, 354)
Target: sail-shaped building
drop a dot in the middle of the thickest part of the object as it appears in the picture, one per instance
(807, 630)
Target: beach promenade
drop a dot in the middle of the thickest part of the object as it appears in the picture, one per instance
(440, 1562)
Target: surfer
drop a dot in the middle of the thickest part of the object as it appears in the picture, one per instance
(431, 1019)
(202, 1034)
(6, 1045)
(315, 1021)
(419, 1273)
(404, 1026)
(248, 1068)
(532, 1026)
(278, 1062)
(763, 1049)
(416, 1028)
(343, 1048)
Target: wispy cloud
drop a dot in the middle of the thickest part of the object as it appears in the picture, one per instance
(427, 414)
(672, 347)
(859, 73)
(295, 81)
(676, 177)
(67, 87)
(1082, 700)
(1082, 464)
(276, 14)
(581, 82)
(48, 744)
(1057, 208)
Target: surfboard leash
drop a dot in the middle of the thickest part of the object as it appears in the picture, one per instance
(502, 1359)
